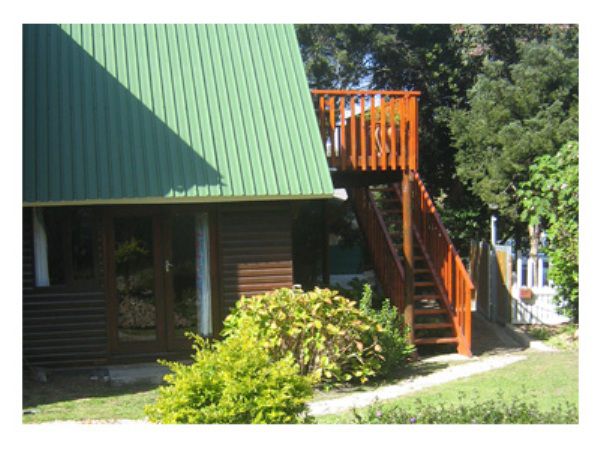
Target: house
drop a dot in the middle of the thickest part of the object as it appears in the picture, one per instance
(161, 165)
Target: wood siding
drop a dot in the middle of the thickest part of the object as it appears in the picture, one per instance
(252, 253)
(255, 251)
(60, 327)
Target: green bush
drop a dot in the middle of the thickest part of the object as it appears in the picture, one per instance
(232, 381)
(355, 290)
(393, 335)
(328, 336)
(495, 411)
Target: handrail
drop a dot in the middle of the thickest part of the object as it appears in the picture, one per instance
(363, 92)
(387, 263)
(370, 130)
(445, 263)
(441, 227)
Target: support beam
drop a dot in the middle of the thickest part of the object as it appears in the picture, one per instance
(408, 179)
(325, 243)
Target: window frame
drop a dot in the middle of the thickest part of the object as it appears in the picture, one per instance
(71, 284)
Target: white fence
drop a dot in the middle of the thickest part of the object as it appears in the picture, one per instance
(534, 303)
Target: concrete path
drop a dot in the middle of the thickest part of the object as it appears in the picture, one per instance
(137, 373)
(363, 399)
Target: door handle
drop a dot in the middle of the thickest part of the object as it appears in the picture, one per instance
(168, 265)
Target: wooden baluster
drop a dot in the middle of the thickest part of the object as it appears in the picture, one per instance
(372, 131)
(343, 152)
(353, 134)
(363, 135)
(334, 157)
(382, 134)
(322, 121)
(393, 128)
(403, 131)
(414, 136)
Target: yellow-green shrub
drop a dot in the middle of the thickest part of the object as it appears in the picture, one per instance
(329, 337)
(232, 381)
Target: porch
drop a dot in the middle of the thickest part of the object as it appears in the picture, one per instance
(368, 131)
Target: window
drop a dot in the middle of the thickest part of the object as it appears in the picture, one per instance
(64, 246)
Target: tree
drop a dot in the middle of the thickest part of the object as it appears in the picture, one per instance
(335, 56)
(550, 198)
(444, 62)
(512, 119)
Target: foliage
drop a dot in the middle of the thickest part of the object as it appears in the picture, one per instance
(232, 381)
(444, 62)
(329, 337)
(551, 198)
(513, 119)
(329, 59)
(355, 289)
(564, 337)
(472, 411)
(393, 336)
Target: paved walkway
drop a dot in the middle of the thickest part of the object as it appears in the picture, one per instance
(363, 399)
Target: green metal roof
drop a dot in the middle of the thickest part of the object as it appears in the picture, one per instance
(155, 113)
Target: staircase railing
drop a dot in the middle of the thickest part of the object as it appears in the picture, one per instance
(368, 131)
(445, 262)
(386, 262)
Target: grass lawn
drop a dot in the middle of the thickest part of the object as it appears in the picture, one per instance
(78, 398)
(562, 337)
(546, 378)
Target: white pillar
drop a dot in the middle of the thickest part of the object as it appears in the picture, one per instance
(530, 267)
(519, 270)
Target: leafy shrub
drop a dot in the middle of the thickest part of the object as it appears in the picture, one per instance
(232, 381)
(393, 334)
(328, 336)
(355, 290)
(551, 198)
(495, 411)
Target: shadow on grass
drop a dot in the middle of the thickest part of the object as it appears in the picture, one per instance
(405, 373)
(68, 387)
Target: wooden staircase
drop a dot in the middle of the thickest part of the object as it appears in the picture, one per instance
(370, 140)
(441, 313)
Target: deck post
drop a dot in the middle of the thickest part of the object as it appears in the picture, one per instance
(325, 242)
(408, 178)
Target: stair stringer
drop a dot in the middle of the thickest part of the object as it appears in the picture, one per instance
(462, 347)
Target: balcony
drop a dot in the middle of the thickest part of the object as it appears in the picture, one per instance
(369, 131)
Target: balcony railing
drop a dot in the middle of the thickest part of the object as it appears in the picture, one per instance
(369, 130)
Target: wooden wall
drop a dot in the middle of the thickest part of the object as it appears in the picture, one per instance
(60, 327)
(255, 250)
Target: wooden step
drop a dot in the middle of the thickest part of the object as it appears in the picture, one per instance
(434, 340)
(388, 200)
(427, 297)
(385, 189)
(431, 326)
(424, 283)
(421, 270)
(430, 311)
